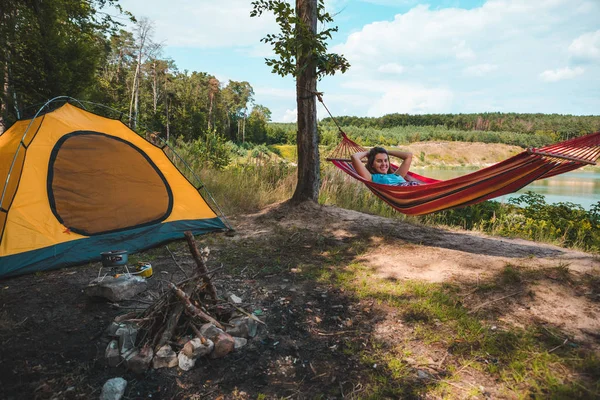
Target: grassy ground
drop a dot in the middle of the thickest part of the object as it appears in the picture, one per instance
(450, 340)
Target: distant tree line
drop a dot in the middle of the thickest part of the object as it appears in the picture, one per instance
(557, 125)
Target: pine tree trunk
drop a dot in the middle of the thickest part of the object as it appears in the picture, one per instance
(210, 107)
(307, 135)
(167, 111)
(4, 100)
(133, 86)
(244, 128)
(154, 86)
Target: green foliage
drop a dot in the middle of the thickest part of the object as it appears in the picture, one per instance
(211, 151)
(256, 126)
(568, 223)
(470, 217)
(529, 216)
(399, 135)
(236, 150)
(48, 49)
(297, 40)
(281, 133)
(260, 152)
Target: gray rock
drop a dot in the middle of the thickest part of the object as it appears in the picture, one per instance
(242, 327)
(116, 289)
(239, 342)
(113, 328)
(196, 348)
(234, 299)
(112, 354)
(209, 330)
(165, 357)
(140, 361)
(113, 389)
(127, 335)
(185, 363)
(224, 344)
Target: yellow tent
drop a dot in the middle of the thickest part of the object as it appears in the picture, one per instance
(75, 184)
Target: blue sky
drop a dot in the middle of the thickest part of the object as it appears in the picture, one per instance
(444, 56)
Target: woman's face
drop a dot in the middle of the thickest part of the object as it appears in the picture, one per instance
(381, 163)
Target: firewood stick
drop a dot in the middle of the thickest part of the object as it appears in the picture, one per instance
(173, 319)
(175, 260)
(199, 334)
(192, 309)
(200, 263)
(170, 326)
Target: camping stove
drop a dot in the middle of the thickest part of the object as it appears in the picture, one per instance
(114, 258)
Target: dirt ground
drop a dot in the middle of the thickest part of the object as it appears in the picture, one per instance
(52, 338)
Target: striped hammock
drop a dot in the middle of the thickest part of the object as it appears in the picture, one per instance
(499, 179)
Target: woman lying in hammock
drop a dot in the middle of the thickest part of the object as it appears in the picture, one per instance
(378, 168)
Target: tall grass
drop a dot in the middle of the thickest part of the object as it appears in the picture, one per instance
(343, 191)
(248, 187)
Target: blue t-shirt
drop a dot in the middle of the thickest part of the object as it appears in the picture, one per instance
(388, 179)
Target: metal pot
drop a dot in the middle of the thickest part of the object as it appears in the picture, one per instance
(114, 258)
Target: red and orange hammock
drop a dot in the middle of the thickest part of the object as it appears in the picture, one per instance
(505, 177)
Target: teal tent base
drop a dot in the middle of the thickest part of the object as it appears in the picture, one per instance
(88, 249)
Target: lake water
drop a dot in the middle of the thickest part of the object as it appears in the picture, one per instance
(579, 187)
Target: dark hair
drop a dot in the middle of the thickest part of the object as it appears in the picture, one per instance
(371, 159)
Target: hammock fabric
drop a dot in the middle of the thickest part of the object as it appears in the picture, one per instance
(499, 179)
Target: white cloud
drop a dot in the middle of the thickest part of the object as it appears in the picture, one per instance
(412, 99)
(586, 47)
(463, 52)
(289, 116)
(203, 24)
(391, 2)
(391, 68)
(427, 35)
(403, 97)
(561, 74)
(480, 69)
(275, 92)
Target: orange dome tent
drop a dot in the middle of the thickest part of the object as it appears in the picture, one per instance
(75, 184)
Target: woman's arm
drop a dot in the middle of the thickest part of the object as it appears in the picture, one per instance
(359, 166)
(407, 159)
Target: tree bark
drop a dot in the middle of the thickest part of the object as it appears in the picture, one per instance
(144, 29)
(167, 112)
(308, 184)
(154, 86)
(4, 98)
(244, 128)
(210, 107)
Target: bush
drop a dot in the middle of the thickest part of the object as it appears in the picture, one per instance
(529, 217)
(211, 151)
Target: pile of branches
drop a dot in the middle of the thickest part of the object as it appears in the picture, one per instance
(184, 308)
